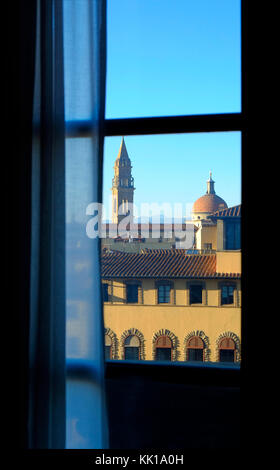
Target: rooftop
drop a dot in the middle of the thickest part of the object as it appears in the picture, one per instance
(234, 211)
(161, 264)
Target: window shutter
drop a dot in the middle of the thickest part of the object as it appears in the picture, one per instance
(164, 342)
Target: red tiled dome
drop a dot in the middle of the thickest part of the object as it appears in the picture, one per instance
(209, 203)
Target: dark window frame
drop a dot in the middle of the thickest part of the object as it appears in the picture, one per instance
(235, 242)
(106, 297)
(192, 286)
(162, 283)
(225, 350)
(135, 348)
(108, 348)
(195, 351)
(234, 295)
(185, 124)
(195, 282)
(162, 348)
(195, 348)
(165, 296)
(139, 291)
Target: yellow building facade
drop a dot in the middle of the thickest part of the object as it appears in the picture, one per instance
(213, 320)
(165, 303)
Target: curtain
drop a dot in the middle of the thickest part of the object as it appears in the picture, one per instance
(61, 318)
(84, 72)
(46, 418)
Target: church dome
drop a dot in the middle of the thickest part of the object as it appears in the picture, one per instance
(210, 202)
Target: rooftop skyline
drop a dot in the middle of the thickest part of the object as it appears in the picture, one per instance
(174, 169)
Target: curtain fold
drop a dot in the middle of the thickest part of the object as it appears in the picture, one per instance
(84, 76)
(66, 406)
(47, 277)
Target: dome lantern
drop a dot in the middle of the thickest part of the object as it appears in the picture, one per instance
(209, 203)
(210, 185)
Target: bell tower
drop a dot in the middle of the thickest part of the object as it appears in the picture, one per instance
(122, 186)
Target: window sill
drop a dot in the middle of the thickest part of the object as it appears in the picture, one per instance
(208, 373)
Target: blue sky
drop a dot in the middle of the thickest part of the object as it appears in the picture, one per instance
(174, 57)
(169, 57)
(174, 168)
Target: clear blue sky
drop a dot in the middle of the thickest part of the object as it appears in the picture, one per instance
(168, 57)
(174, 57)
(174, 168)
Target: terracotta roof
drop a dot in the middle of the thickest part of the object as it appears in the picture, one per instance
(162, 264)
(234, 211)
(209, 203)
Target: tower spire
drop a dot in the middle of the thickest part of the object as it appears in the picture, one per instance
(123, 155)
(210, 184)
(122, 186)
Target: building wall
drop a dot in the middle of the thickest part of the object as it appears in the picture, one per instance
(220, 235)
(211, 321)
(206, 234)
(228, 261)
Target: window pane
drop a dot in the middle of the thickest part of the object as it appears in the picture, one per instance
(107, 352)
(227, 295)
(232, 234)
(195, 354)
(164, 283)
(173, 57)
(163, 294)
(105, 293)
(195, 294)
(226, 355)
(163, 354)
(132, 293)
(131, 354)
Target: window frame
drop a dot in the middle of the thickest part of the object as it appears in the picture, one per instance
(125, 348)
(186, 124)
(139, 294)
(234, 304)
(107, 293)
(163, 347)
(195, 282)
(108, 345)
(233, 349)
(195, 348)
(236, 227)
(163, 293)
(162, 283)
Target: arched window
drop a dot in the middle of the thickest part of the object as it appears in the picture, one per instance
(132, 348)
(195, 349)
(227, 349)
(163, 349)
(108, 347)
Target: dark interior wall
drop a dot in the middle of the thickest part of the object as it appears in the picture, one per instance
(22, 30)
(185, 408)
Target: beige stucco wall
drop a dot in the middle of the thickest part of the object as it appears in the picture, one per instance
(228, 261)
(220, 235)
(208, 235)
(213, 320)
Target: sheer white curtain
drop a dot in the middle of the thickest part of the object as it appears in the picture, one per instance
(66, 353)
(84, 72)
